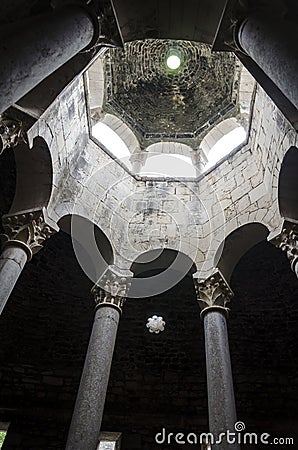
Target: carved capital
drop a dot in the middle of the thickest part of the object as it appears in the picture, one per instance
(199, 160)
(111, 289)
(28, 230)
(11, 133)
(213, 291)
(138, 160)
(286, 239)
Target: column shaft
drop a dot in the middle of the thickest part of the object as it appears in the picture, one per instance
(34, 49)
(272, 44)
(86, 420)
(12, 262)
(221, 402)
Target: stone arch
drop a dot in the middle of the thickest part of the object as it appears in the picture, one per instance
(288, 185)
(34, 176)
(236, 244)
(123, 131)
(92, 247)
(168, 165)
(156, 271)
(176, 148)
(159, 154)
(219, 131)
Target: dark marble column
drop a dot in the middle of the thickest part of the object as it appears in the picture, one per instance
(272, 44)
(213, 294)
(24, 235)
(36, 47)
(286, 238)
(87, 416)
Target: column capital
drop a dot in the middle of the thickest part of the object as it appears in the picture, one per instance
(138, 160)
(28, 230)
(286, 239)
(11, 133)
(199, 160)
(112, 288)
(213, 292)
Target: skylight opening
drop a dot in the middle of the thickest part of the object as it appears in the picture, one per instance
(173, 62)
(174, 59)
(225, 145)
(167, 165)
(110, 140)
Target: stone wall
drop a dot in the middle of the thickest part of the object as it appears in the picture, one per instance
(193, 217)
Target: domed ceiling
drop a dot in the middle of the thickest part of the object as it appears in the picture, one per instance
(163, 103)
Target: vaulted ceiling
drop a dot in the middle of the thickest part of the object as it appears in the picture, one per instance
(158, 102)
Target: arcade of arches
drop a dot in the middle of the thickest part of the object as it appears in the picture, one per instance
(148, 274)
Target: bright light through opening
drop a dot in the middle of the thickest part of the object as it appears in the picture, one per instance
(106, 136)
(168, 165)
(225, 145)
(173, 62)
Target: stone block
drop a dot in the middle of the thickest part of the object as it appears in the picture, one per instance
(257, 193)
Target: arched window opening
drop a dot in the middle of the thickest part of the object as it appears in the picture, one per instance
(168, 165)
(110, 140)
(225, 145)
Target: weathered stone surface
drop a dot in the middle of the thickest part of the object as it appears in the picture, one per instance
(160, 380)
(158, 102)
(167, 213)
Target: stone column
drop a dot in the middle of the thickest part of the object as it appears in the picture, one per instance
(213, 294)
(272, 44)
(138, 160)
(286, 238)
(34, 49)
(24, 235)
(87, 416)
(199, 161)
